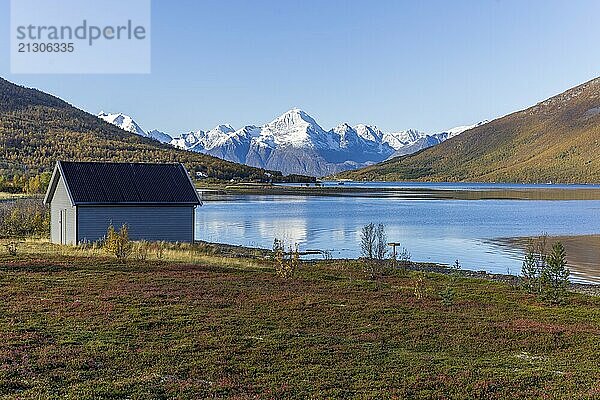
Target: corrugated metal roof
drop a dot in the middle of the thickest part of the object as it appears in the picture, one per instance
(128, 183)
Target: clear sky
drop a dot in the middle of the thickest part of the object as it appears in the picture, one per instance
(428, 65)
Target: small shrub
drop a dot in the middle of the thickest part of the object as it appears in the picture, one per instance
(455, 271)
(285, 264)
(118, 243)
(534, 264)
(373, 246)
(546, 274)
(404, 258)
(380, 249)
(367, 241)
(278, 250)
(373, 241)
(447, 296)
(530, 271)
(420, 290)
(555, 277)
(142, 250)
(12, 248)
(456, 267)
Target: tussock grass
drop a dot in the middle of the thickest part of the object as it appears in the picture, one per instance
(183, 253)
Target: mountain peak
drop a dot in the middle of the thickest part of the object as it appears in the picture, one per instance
(295, 128)
(368, 132)
(159, 135)
(294, 116)
(123, 121)
(295, 110)
(223, 128)
(344, 129)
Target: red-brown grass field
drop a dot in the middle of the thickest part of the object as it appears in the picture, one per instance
(79, 324)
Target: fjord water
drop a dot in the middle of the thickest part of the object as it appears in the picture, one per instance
(484, 226)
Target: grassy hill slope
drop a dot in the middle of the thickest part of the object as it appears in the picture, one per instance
(36, 129)
(556, 140)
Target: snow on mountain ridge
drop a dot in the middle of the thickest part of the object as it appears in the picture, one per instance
(216, 136)
(460, 129)
(368, 132)
(348, 135)
(295, 143)
(123, 121)
(160, 136)
(294, 128)
(127, 123)
(400, 139)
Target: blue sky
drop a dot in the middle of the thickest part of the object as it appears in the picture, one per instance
(428, 65)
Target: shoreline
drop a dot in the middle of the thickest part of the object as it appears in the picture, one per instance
(236, 251)
(542, 193)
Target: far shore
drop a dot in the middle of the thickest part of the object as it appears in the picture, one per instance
(542, 193)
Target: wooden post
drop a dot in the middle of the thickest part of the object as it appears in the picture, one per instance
(393, 245)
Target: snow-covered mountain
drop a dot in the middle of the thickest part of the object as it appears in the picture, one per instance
(123, 121)
(296, 143)
(127, 123)
(402, 138)
(460, 129)
(160, 136)
(418, 140)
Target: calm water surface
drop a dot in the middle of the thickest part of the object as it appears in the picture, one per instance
(479, 233)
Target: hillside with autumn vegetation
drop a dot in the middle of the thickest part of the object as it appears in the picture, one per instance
(37, 129)
(557, 140)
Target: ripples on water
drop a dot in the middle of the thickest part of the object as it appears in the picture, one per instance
(482, 225)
